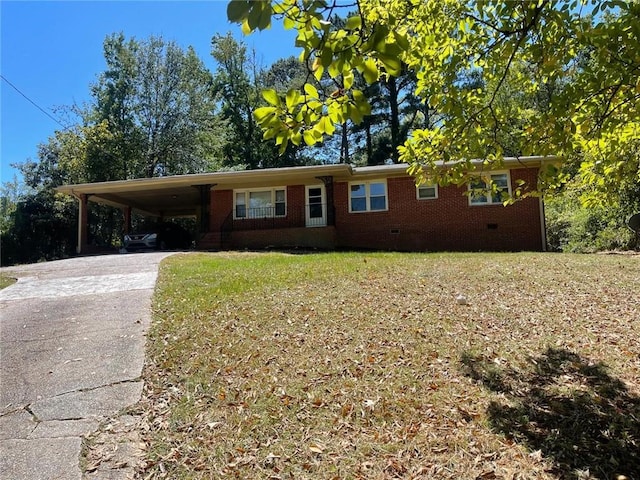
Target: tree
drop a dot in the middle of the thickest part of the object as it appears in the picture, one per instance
(113, 111)
(285, 75)
(10, 193)
(395, 112)
(441, 42)
(235, 85)
(238, 82)
(40, 224)
(153, 111)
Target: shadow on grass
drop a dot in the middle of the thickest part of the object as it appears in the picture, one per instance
(568, 408)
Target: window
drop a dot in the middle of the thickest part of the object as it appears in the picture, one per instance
(260, 203)
(481, 191)
(427, 191)
(368, 196)
(241, 205)
(314, 202)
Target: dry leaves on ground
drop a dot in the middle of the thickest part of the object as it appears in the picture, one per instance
(369, 366)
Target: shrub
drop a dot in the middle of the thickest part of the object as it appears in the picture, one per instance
(572, 227)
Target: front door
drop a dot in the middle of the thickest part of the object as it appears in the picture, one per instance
(316, 206)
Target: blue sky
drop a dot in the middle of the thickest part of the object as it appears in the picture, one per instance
(52, 51)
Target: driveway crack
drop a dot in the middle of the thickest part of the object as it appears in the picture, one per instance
(34, 417)
(106, 385)
(27, 408)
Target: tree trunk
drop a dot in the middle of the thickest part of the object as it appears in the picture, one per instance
(369, 145)
(249, 140)
(344, 148)
(394, 122)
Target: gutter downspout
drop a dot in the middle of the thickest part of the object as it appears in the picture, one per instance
(543, 222)
(543, 225)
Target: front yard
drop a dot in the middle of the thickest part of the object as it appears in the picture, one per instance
(376, 366)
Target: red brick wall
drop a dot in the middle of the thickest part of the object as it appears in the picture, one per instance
(222, 207)
(317, 237)
(288, 232)
(445, 223)
(295, 197)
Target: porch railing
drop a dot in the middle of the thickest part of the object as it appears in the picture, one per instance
(263, 218)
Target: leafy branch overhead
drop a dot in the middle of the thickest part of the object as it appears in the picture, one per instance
(578, 58)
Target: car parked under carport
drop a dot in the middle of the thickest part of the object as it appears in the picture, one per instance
(164, 236)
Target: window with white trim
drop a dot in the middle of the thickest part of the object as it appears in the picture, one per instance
(263, 203)
(427, 191)
(481, 191)
(368, 196)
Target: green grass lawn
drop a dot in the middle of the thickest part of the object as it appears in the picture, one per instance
(370, 366)
(6, 281)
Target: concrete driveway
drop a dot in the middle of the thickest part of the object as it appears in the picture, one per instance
(72, 336)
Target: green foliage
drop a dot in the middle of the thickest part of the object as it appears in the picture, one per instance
(284, 75)
(593, 211)
(583, 62)
(573, 227)
(237, 85)
(43, 227)
(9, 197)
(237, 93)
(610, 168)
(37, 223)
(153, 112)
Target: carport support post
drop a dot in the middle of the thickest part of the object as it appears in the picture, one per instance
(83, 221)
(126, 212)
(205, 206)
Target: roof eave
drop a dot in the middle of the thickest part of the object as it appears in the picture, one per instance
(232, 178)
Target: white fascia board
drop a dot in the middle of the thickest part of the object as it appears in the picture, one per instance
(285, 175)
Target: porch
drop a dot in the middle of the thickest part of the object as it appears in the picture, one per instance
(310, 226)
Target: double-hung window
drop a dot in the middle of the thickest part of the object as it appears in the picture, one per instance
(488, 189)
(368, 196)
(260, 203)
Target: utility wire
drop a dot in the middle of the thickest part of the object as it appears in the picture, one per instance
(34, 103)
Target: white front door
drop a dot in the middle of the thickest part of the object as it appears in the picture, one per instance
(316, 206)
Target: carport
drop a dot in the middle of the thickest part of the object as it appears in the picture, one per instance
(163, 197)
(184, 195)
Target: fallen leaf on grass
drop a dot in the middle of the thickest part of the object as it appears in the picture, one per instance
(238, 462)
(316, 448)
(488, 475)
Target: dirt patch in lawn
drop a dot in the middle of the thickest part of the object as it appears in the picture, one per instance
(394, 366)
